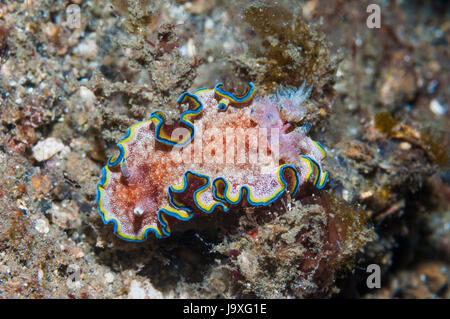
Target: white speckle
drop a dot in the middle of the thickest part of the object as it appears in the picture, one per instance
(209, 24)
(405, 146)
(138, 211)
(183, 50)
(437, 108)
(136, 291)
(365, 195)
(87, 96)
(353, 130)
(153, 293)
(345, 194)
(351, 107)
(384, 165)
(228, 45)
(109, 277)
(87, 49)
(40, 274)
(190, 48)
(41, 225)
(45, 149)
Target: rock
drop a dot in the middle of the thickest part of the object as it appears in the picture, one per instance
(40, 183)
(87, 49)
(45, 149)
(41, 225)
(87, 96)
(437, 108)
(136, 291)
(65, 216)
(109, 278)
(77, 253)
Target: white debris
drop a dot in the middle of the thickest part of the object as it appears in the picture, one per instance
(358, 42)
(109, 277)
(190, 48)
(87, 96)
(40, 275)
(136, 291)
(365, 195)
(153, 293)
(6, 70)
(437, 108)
(138, 211)
(405, 146)
(41, 225)
(209, 24)
(345, 195)
(87, 49)
(247, 262)
(45, 149)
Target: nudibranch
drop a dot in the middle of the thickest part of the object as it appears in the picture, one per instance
(226, 151)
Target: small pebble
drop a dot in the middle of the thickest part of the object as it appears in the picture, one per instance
(78, 253)
(345, 195)
(41, 225)
(190, 48)
(40, 183)
(87, 49)
(365, 195)
(437, 108)
(405, 146)
(209, 24)
(51, 31)
(136, 291)
(40, 275)
(87, 96)
(109, 277)
(45, 149)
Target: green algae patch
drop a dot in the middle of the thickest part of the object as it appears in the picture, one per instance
(291, 50)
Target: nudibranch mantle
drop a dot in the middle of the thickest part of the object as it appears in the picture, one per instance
(209, 161)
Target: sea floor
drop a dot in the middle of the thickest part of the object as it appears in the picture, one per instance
(74, 75)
